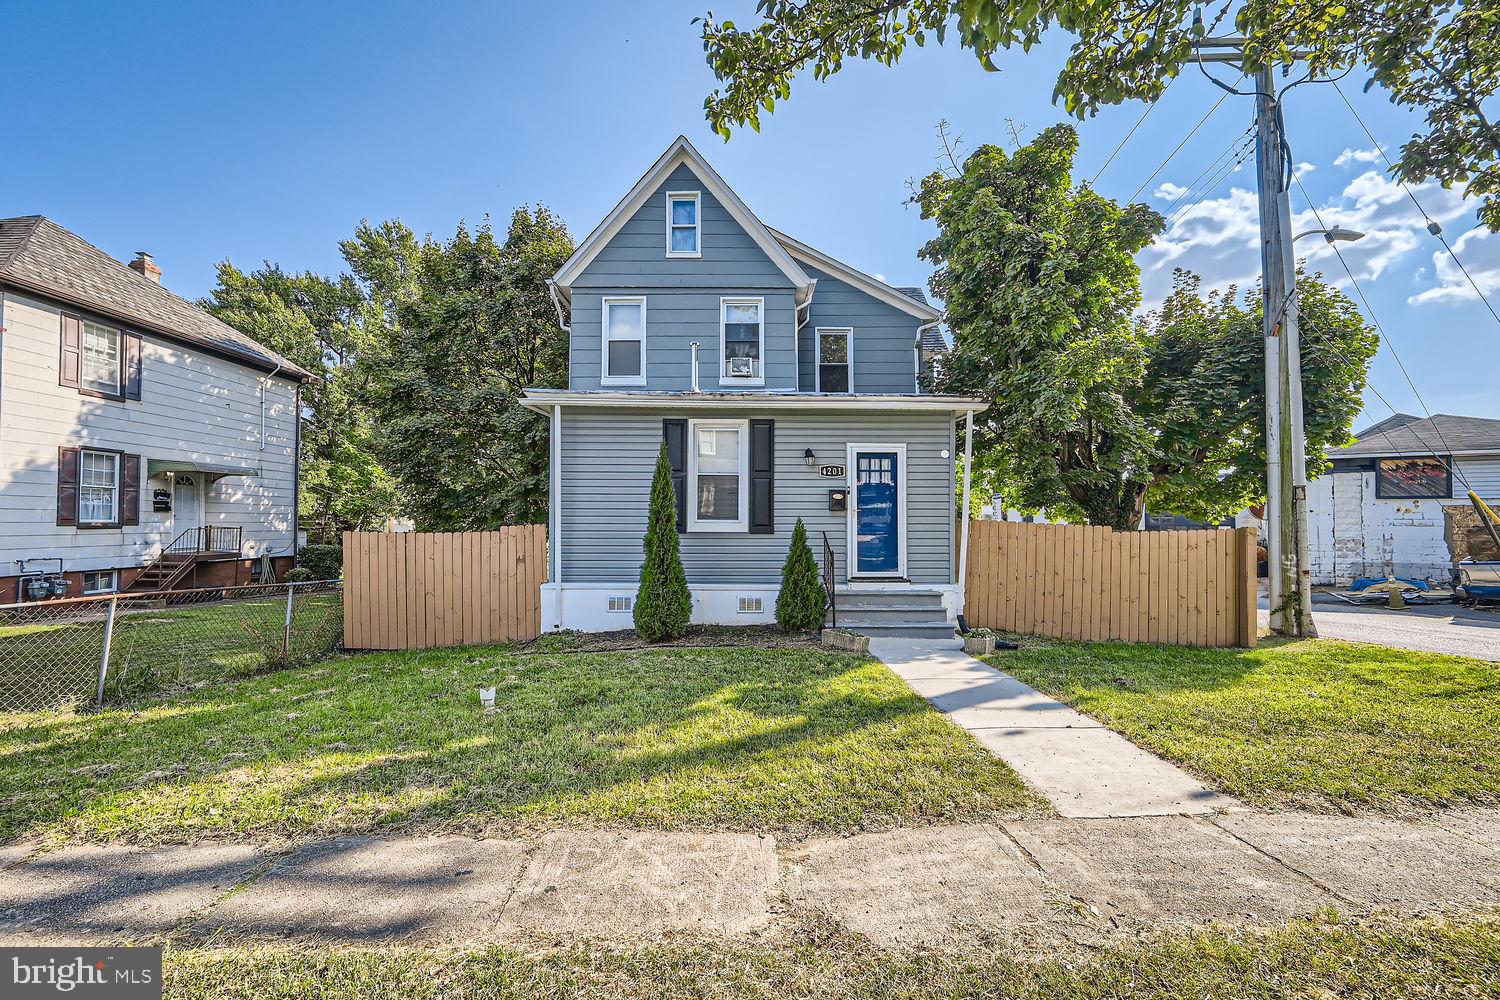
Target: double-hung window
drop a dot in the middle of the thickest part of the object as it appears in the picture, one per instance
(718, 457)
(834, 360)
(742, 336)
(100, 354)
(684, 228)
(98, 488)
(624, 342)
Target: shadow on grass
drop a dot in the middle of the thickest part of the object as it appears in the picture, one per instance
(715, 737)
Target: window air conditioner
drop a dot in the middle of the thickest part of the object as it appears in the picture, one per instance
(741, 367)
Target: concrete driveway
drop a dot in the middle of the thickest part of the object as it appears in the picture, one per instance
(1431, 628)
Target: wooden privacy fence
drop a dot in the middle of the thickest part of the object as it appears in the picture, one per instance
(415, 591)
(1188, 588)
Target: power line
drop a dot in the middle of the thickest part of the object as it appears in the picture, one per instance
(1385, 338)
(1121, 145)
(1432, 226)
(1191, 132)
(1242, 154)
(1214, 164)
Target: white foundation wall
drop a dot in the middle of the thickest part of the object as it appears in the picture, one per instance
(194, 407)
(1353, 533)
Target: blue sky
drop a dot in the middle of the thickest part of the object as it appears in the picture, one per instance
(268, 131)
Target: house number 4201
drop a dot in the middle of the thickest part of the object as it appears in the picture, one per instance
(831, 471)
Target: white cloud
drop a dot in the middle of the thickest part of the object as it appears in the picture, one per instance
(1303, 169)
(1479, 249)
(1169, 191)
(1219, 238)
(1349, 156)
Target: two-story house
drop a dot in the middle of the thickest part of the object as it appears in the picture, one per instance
(143, 443)
(784, 384)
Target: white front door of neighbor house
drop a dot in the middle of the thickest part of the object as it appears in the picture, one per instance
(187, 503)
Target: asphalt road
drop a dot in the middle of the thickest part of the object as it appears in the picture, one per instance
(1433, 628)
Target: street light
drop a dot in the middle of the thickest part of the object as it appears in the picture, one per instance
(1338, 234)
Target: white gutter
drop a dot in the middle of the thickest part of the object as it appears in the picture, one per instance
(963, 544)
(265, 383)
(554, 498)
(542, 401)
(557, 304)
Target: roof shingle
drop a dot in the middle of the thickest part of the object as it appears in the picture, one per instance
(38, 255)
(1442, 434)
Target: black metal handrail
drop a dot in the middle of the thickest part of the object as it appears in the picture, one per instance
(212, 538)
(828, 581)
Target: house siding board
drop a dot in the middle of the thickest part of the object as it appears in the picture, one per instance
(674, 319)
(636, 256)
(608, 457)
(196, 406)
(884, 337)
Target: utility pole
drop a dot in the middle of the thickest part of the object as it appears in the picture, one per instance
(1286, 448)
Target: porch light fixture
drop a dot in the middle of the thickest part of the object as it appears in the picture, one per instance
(808, 457)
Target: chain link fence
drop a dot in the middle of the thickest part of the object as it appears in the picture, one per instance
(98, 650)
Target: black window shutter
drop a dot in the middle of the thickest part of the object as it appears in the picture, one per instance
(70, 353)
(762, 477)
(67, 486)
(130, 489)
(674, 433)
(131, 360)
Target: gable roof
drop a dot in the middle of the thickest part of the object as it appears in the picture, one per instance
(37, 255)
(1442, 434)
(681, 152)
(908, 300)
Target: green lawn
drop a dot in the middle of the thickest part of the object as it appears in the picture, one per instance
(1389, 961)
(1313, 723)
(743, 738)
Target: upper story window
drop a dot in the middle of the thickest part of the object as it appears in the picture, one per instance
(624, 350)
(717, 463)
(1413, 479)
(98, 487)
(683, 224)
(835, 353)
(742, 336)
(101, 358)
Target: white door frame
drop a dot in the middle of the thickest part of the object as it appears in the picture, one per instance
(851, 528)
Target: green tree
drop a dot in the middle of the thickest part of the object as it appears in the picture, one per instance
(324, 325)
(1094, 412)
(800, 604)
(663, 605)
(1442, 58)
(473, 325)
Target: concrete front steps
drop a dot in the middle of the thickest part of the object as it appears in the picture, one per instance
(895, 614)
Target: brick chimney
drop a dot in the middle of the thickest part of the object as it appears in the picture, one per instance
(145, 266)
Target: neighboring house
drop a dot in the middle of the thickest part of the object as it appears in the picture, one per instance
(784, 384)
(1381, 507)
(143, 443)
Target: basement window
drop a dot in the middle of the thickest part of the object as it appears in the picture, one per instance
(621, 604)
(751, 605)
(101, 582)
(1413, 479)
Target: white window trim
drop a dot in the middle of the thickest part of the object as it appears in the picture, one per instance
(118, 336)
(740, 300)
(114, 581)
(696, 197)
(742, 524)
(848, 332)
(115, 490)
(605, 378)
(851, 555)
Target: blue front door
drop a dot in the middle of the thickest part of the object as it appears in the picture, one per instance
(876, 514)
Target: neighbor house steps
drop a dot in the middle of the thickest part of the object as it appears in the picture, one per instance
(904, 614)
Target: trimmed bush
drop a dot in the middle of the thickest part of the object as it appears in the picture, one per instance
(799, 606)
(325, 562)
(663, 605)
(298, 574)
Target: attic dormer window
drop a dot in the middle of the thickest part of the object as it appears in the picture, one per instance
(683, 224)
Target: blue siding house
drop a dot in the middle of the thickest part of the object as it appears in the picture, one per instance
(784, 384)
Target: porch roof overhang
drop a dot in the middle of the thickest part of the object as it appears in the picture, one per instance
(542, 401)
(157, 466)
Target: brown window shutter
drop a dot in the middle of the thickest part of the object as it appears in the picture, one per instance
(69, 359)
(762, 477)
(130, 489)
(67, 486)
(130, 377)
(674, 432)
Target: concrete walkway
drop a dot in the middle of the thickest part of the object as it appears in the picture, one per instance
(1085, 769)
(1044, 883)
